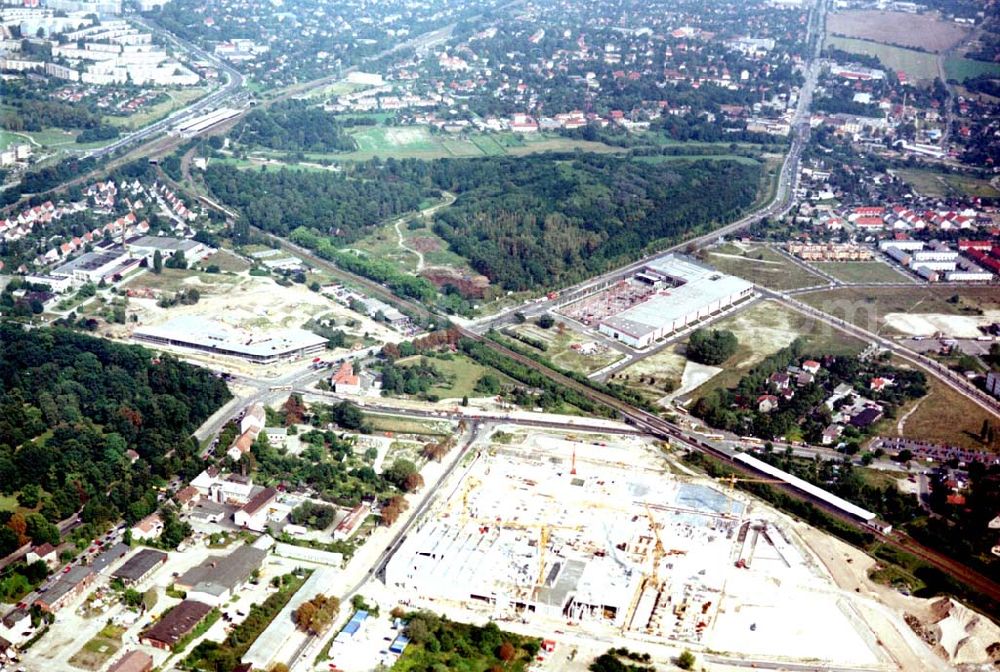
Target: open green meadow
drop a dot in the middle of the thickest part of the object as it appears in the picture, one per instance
(962, 69)
(918, 65)
(938, 184)
(761, 265)
(860, 271)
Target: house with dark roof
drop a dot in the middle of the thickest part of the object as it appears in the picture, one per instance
(867, 417)
(133, 661)
(174, 625)
(780, 380)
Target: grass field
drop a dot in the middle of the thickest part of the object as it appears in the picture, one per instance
(918, 65)
(226, 261)
(176, 99)
(765, 328)
(938, 184)
(8, 138)
(761, 265)
(653, 375)
(909, 30)
(54, 137)
(860, 271)
(461, 373)
(943, 416)
(965, 68)
(418, 142)
(867, 308)
(173, 280)
(99, 650)
(398, 425)
(560, 349)
(746, 160)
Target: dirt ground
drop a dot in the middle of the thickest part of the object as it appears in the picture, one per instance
(899, 28)
(928, 324)
(250, 302)
(964, 634)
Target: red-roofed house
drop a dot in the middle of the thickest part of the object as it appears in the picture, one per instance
(345, 381)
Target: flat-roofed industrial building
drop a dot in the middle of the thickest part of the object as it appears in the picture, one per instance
(686, 292)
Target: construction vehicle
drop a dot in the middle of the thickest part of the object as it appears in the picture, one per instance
(733, 480)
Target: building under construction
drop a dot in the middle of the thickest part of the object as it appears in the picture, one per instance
(556, 532)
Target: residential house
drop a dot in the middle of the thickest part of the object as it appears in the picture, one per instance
(254, 514)
(867, 417)
(149, 527)
(780, 380)
(45, 553)
(254, 419)
(767, 403)
(187, 497)
(831, 434)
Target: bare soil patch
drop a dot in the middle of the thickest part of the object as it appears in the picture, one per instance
(924, 31)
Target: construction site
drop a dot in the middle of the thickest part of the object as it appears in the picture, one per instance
(601, 535)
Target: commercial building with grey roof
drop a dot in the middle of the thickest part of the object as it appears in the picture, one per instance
(140, 566)
(216, 579)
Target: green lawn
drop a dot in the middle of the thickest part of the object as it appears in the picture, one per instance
(867, 308)
(400, 425)
(8, 138)
(461, 373)
(860, 271)
(766, 327)
(746, 160)
(176, 99)
(918, 65)
(99, 650)
(939, 184)
(762, 266)
(966, 68)
(561, 352)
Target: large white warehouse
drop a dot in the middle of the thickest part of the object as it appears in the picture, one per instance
(689, 292)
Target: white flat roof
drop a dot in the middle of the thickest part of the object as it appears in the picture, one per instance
(701, 287)
(807, 487)
(211, 334)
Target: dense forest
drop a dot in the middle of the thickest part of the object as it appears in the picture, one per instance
(72, 405)
(334, 204)
(528, 223)
(523, 222)
(293, 126)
